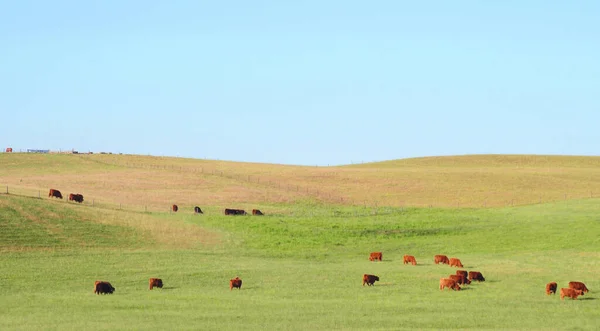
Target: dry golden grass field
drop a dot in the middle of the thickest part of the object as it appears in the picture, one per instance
(154, 183)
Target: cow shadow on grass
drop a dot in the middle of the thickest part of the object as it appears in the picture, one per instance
(166, 288)
(588, 298)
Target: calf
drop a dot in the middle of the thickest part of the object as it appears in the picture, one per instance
(578, 286)
(551, 288)
(476, 275)
(449, 283)
(155, 282)
(454, 262)
(369, 279)
(375, 256)
(236, 282)
(569, 292)
(441, 259)
(197, 210)
(174, 208)
(409, 259)
(257, 212)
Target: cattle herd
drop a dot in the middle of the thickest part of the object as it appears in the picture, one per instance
(54, 193)
(462, 277)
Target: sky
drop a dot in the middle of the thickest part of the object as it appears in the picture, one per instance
(301, 82)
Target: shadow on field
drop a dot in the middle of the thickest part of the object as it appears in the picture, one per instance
(169, 287)
(580, 298)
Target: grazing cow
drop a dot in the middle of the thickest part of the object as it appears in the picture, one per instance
(460, 279)
(101, 287)
(8, 150)
(551, 288)
(569, 292)
(578, 286)
(462, 273)
(174, 208)
(375, 256)
(236, 282)
(454, 262)
(55, 193)
(441, 259)
(476, 275)
(197, 210)
(76, 197)
(369, 279)
(235, 212)
(409, 259)
(257, 212)
(449, 283)
(155, 282)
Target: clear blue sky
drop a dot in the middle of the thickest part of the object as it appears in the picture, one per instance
(301, 82)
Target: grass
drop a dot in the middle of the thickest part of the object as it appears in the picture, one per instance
(300, 271)
(154, 183)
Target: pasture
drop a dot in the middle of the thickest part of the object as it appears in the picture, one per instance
(302, 263)
(299, 272)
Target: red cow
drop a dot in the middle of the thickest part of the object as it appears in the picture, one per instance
(257, 212)
(462, 273)
(76, 197)
(409, 259)
(551, 288)
(449, 283)
(569, 292)
(155, 282)
(375, 256)
(441, 259)
(460, 279)
(174, 208)
(55, 193)
(236, 282)
(578, 286)
(454, 262)
(476, 275)
(369, 279)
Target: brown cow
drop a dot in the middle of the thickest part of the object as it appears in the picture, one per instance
(55, 193)
(578, 286)
(155, 282)
(101, 287)
(409, 259)
(174, 208)
(9, 150)
(197, 210)
(462, 273)
(460, 279)
(235, 212)
(375, 256)
(257, 212)
(449, 283)
(236, 282)
(454, 262)
(76, 197)
(551, 288)
(476, 275)
(441, 259)
(569, 292)
(369, 279)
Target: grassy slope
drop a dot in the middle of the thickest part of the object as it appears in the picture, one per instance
(300, 272)
(156, 182)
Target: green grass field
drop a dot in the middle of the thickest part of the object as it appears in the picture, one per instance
(301, 264)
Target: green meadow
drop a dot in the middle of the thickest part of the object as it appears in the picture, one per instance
(299, 272)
